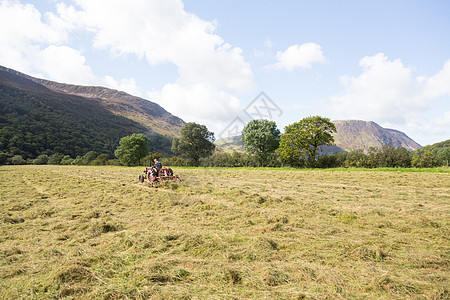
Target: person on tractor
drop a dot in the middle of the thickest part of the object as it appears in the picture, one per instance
(158, 166)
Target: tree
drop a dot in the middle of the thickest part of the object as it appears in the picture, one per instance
(55, 159)
(304, 138)
(402, 158)
(100, 160)
(18, 160)
(133, 148)
(261, 138)
(195, 142)
(66, 160)
(41, 160)
(443, 154)
(4, 157)
(89, 157)
(424, 159)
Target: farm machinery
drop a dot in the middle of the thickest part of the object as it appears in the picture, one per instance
(153, 177)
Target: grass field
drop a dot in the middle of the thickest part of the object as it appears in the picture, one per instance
(96, 233)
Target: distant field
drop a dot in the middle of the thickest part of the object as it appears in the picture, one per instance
(95, 232)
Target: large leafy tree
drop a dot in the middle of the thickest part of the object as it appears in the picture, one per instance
(425, 159)
(133, 148)
(261, 138)
(195, 142)
(304, 139)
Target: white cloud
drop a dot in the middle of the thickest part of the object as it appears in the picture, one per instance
(439, 84)
(16, 17)
(387, 92)
(198, 102)
(209, 69)
(36, 45)
(299, 56)
(64, 64)
(444, 121)
(161, 31)
(23, 34)
(126, 85)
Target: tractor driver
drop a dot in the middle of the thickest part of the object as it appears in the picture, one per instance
(158, 166)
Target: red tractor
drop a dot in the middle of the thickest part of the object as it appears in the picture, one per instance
(154, 177)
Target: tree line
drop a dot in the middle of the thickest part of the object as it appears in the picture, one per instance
(299, 146)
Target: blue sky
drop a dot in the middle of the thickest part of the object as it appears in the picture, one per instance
(206, 61)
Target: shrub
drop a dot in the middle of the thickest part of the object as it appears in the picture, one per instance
(425, 159)
(41, 160)
(334, 160)
(102, 159)
(18, 160)
(66, 160)
(55, 159)
(4, 158)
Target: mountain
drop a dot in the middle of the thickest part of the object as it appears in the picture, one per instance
(40, 116)
(233, 143)
(355, 134)
(350, 135)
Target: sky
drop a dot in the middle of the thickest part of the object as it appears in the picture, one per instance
(223, 63)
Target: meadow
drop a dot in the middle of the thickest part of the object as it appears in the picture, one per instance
(82, 232)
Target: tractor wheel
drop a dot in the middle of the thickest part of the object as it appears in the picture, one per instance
(149, 177)
(141, 178)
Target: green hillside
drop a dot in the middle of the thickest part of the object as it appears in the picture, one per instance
(439, 150)
(438, 147)
(36, 120)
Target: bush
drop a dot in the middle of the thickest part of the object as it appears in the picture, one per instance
(101, 160)
(89, 157)
(384, 157)
(55, 159)
(225, 159)
(66, 160)
(18, 160)
(41, 160)
(4, 158)
(391, 157)
(78, 160)
(334, 160)
(443, 155)
(425, 159)
(85, 159)
(402, 158)
(237, 159)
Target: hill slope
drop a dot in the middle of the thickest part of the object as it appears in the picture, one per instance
(143, 111)
(39, 116)
(350, 135)
(355, 134)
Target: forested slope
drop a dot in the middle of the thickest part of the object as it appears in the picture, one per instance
(36, 120)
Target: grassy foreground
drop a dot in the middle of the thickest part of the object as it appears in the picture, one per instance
(95, 232)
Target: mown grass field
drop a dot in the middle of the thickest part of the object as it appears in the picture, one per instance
(96, 233)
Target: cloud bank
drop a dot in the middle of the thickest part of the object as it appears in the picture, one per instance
(386, 91)
(209, 69)
(38, 45)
